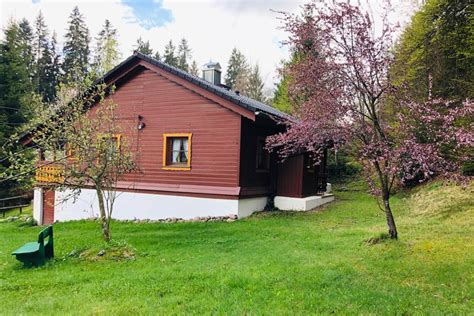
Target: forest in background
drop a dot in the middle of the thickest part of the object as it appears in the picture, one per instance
(436, 47)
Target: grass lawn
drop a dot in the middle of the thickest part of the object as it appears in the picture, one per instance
(271, 263)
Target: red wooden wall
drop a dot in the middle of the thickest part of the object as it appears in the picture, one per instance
(299, 177)
(168, 107)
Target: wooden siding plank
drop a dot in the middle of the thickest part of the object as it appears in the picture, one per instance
(168, 107)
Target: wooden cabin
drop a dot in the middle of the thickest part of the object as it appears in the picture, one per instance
(200, 149)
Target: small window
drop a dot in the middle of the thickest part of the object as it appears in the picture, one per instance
(177, 151)
(71, 152)
(113, 146)
(263, 156)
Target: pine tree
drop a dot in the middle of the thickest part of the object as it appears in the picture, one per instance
(45, 78)
(194, 69)
(144, 47)
(40, 42)
(236, 67)
(169, 56)
(254, 89)
(281, 99)
(15, 84)
(107, 54)
(242, 81)
(157, 55)
(184, 54)
(76, 48)
(26, 42)
(53, 71)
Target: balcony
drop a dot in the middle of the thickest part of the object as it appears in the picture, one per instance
(49, 173)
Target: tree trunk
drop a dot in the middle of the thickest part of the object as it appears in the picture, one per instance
(103, 217)
(392, 228)
(384, 183)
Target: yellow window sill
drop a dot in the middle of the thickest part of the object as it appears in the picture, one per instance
(177, 168)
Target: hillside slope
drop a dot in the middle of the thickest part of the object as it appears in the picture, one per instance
(272, 263)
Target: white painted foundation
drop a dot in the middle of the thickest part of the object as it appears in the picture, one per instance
(328, 187)
(133, 205)
(38, 205)
(285, 203)
(248, 206)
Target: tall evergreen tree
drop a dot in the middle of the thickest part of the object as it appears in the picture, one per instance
(194, 69)
(15, 84)
(281, 98)
(169, 56)
(143, 47)
(76, 48)
(184, 54)
(26, 38)
(40, 42)
(254, 87)
(45, 77)
(237, 66)
(107, 54)
(53, 71)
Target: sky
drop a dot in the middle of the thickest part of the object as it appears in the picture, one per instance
(212, 27)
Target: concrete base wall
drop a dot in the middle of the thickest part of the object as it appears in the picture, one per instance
(328, 187)
(38, 205)
(302, 204)
(132, 205)
(248, 206)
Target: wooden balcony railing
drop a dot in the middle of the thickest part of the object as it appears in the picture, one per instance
(49, 173)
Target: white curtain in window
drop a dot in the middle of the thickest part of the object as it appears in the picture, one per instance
(185, 147)
(176, 146)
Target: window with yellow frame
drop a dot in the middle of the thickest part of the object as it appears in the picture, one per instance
(116, 142)
(177, 151)
(70, 152)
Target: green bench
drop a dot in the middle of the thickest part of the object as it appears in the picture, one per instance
(36, 253)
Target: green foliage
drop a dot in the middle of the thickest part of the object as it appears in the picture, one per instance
(76, 48)
(144, 47)
(468, 169)
(46, 61)
(107, 54)
(169, 56)
(272, 263)
(80, 135)
(237, 65)
(15, 84)
(438, 44)
(437, 49)
(184, 54)
(194, 70)
(254, 87)
(240, 76)
(26, 39)
(281, 99)
(342, 166)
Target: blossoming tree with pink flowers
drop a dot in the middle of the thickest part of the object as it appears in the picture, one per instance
(345, 98)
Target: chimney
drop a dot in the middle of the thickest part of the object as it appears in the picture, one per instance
(211, 72)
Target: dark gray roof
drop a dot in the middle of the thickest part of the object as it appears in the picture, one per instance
(245, 102)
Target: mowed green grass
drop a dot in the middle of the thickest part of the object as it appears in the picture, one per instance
(271, 263)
